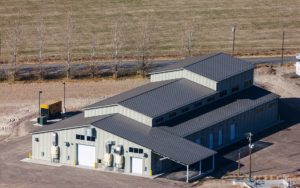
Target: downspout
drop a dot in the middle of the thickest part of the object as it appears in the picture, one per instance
(187, 173)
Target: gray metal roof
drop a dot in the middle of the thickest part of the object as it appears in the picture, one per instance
(159, 141)
(168, 97)
(74, 121)
(216, 67)
(129, 94)
(219, 111)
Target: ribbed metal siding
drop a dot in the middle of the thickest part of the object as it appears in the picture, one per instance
(101, 111)
(45, 143)
(166, 75)
(200, 79)
(184, 74)
(239, 80)
(250, 121)
(121, 110)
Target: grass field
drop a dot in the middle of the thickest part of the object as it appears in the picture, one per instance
(259, 25)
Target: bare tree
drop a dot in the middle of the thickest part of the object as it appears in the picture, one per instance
(189, 30)
(144, 45)
(15, 41)
(41, 30)
(69, 41)
(93, 54)
(117, 45)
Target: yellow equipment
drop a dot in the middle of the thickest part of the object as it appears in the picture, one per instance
(51, 109)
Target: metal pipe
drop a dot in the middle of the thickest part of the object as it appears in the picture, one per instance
(233, 38)
(239, 163)
(187, 173)
(65, 110)
(282, 48)
(40, 92)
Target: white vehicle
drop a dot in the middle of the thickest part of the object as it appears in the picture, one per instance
(297, 68)
(298, 56)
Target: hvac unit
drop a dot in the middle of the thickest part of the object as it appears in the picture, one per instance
(119, 161)
(91, 132)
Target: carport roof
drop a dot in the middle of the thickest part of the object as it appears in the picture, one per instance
(217, 67)
(159, 141)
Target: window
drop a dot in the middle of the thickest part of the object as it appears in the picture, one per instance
(211, 140)
(247, 83)
(79, 137)
(185, 109)
(130, 149)
(198, 104)
(210, 99)
(91, 138)
(235, 88)
(158, 120)
(232, 132)
(36, 139)
(220, 135)
(173, 114)
(136, 150)
(99, 160)
(223, 93)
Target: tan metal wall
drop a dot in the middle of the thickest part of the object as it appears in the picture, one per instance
(45, 143)
(121, 110)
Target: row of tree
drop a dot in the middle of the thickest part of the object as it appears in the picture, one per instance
(14, 41)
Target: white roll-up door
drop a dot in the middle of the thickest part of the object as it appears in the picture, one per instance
(86, 155)
(136, 165)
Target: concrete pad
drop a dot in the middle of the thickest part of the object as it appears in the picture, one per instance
(41, 162)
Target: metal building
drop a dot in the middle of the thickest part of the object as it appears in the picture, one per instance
(188, 111)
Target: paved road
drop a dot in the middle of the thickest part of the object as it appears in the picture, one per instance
(272, 60)
(132, 65)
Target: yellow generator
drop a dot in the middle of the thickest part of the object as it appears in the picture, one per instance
(51, 110)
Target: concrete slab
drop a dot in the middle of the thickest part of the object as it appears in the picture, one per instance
(40, 162)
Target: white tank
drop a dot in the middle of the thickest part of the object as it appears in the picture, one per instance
(55, 152)
(119, 159)
(108, 159)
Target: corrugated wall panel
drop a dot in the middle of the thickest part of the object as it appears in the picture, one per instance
(45, 143)
(250, 121)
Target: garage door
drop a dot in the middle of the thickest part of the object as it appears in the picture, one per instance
(136, 165)
(86, 155)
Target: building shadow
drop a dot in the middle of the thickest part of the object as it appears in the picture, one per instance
(227, 158)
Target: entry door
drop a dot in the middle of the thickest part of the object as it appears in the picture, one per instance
(136, 165)
(86, 155)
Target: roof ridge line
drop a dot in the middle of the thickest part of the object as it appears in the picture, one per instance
(213, 55)
(175, 80)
